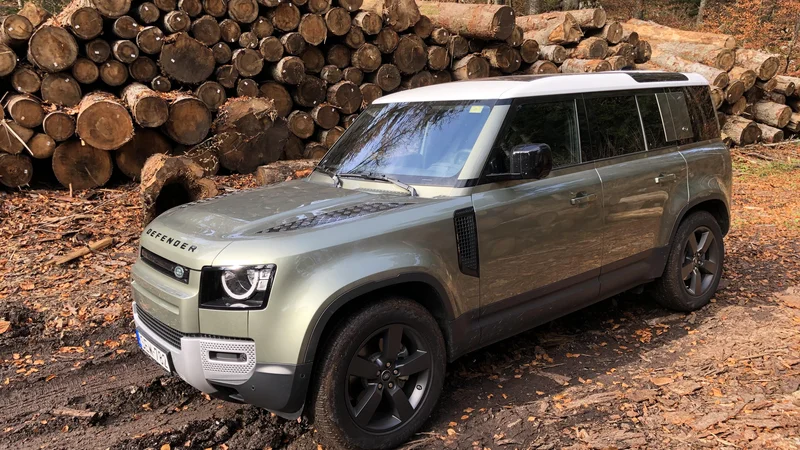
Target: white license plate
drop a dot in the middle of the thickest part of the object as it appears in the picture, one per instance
(161, 357)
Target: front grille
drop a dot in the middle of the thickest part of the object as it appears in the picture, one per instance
(172, 336)
(164, 265)
(329, 217)
(467, 241)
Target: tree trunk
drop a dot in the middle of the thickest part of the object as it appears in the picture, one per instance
(619, 62)
(192, 7)
(785, 85)
(41, 146)
(410, 56)
(387, 77)
(148, 13)
(701, 10)
(143, 70)
(721, 58)
(470, 67)
(271, 49)
(262, 28)
(350, 5)
(554, 53)
(34, 13)
(490, 22)
(124, 28)
(51, 49)
(25, 80)
(736, 108)
(132, 156)
(148, 108)
(58, 125)
(585, 65)
(541, 66)
(458, 47)
(113, 73)
(301, 124)
(98, 50)
(550, 28)
(331, 74)
(717, 96)
(310, 92)
(80, 166)
(25, 110)
(769, 134)
(60, 89)
(346, 96)
(151, 39)
(15, 170)
(8, 60)
(169, 181)
(246, 135)
(112, 9)
(280, 171)
(367, 58)
(643, 52)
(714, 76)
(248, 62)
(103, 122)
(313, 29)
(371, 92)
(354, 38)
(289, 70)
(338, 21)
(612, 32)
(438, 58)
(774, 97)
(177, 22)
(794, 123)
(247, 87)
(746, 76)
(320, 6)
(398, 14)
(85, 71)
(422, 28)
(590, 18)
(741, 130)
(652, 30)
(186, 60)
(325, 116)
(230, 31)
(13, 137)
(125, 51)
(280, 97)
(440, 36)
(734, 91)
(85, 23)
(529, 51)
(189, 120)
(623, 50)
(516, 38)
(243, 11)
(590, 48)
(630, 36)
(314, 150)
(161, 84)
(206, 30)
(329, 137)
(772, 113)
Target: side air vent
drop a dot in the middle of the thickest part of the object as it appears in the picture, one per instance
(328, 217)
(467, 241)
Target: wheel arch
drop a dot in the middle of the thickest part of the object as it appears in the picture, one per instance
(715, 204)
(422, 288)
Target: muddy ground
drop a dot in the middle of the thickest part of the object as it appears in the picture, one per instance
(624, 373)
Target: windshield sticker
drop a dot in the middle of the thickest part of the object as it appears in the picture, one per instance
(476, 109)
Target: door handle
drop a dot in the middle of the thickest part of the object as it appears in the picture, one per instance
(665, 178)
(583, 198)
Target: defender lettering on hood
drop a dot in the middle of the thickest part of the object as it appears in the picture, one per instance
(170, 241)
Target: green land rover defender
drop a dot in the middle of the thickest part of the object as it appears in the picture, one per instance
(446, 218)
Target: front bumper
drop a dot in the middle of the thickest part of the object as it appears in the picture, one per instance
(226, 368)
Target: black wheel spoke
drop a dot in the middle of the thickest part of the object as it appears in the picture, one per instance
(392, 343)
(415, 363)
(705, 242)
(366, 407)
(693, 246)
(686, 270)
(696, 282)
(709, 267)
(360, 367)
(401, 404)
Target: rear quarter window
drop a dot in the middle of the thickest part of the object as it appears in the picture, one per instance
(701, 112)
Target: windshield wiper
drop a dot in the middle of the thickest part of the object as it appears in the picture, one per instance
(337, 182)
(367, 176)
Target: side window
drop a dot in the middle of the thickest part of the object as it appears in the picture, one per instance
(653, 121)
(681, 122)
(551, 123)
(702, 113)
(614, 127)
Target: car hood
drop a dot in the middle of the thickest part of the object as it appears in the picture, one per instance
(290, 206)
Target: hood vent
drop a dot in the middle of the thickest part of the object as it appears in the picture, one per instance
(328, 217)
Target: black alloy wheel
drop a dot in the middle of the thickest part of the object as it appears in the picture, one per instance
(701, 261)
(388, 378)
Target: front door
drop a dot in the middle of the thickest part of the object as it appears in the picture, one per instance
(538, 237)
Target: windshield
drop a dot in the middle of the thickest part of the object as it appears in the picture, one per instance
(421, 143)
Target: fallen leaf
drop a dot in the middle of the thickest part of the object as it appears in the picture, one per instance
(166, 447)
(451, 432)
(661, 381)
(4, 326)
(27, 286)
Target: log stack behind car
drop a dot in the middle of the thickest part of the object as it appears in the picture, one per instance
(107, 83)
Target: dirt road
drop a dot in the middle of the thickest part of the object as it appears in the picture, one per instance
(622, 374)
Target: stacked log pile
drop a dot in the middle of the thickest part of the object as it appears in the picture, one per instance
(236, 84)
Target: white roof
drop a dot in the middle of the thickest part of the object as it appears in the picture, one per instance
(536, 85)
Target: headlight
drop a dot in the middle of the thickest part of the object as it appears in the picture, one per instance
(240, 287)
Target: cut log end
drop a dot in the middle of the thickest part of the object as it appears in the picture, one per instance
(168, 182)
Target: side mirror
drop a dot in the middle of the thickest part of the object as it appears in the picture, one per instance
(531, 161)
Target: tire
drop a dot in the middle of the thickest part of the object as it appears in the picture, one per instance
(344, 381)
(679, 291)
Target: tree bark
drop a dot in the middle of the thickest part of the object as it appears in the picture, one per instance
(746, 76)
(80, 166)
(25, 110)
(770, 135)
(34, 13)
(143, 70)
(98, 50)
(470, 67)
(113, 73)
(714, 76)
(550, 28)
(280, 171)
(189, 120)
(124, 27)
(490, 22)
(246, 135)
(169, 181)
(85, 23)
(25, 80)
(13, 137)
(652, 30)
(541, 66)
(590, 48)
(398, 14)
(736, 108)
(590, 18)
(786, 85)
(742, 131)
(60, 89)
(85, 71)
(721, 58)
(131, 157)
(387, 77)
(612, 32)
(41, 146)
(410, 56)
(186, 60)
(772, 113)
(585, 65)
(554, 53)
(794, 123)
(15, 170)
(206, 30)
(289, 70)
(280, 97)
(310, 92)
(367, 58)
(51, 49)
(148, 108)
(301, 124)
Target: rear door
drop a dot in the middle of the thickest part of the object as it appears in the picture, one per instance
(634, 143)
